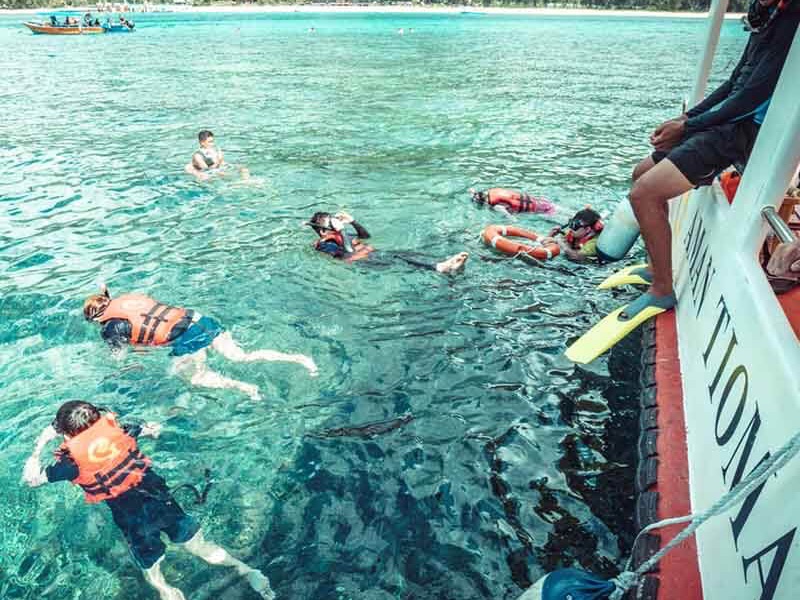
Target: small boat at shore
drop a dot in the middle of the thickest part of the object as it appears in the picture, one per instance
(70, 24)
(63, 30)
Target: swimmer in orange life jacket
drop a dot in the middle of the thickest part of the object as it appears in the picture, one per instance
(137, 320)
(334, 240)
(103, 458)
(578, 238)
(512, 201)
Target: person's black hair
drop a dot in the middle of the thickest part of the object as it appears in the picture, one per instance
(587, 217)
(480, 197)
(74, 417)
(204, 134)
(320, 220)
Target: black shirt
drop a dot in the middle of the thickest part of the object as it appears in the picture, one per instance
(746, 94)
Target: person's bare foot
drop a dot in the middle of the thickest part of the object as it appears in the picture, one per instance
(454, 264)
(260, 584)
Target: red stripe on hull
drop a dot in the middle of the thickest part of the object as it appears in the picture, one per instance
(679, 573)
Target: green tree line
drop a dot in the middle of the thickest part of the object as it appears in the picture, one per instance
(669, 5)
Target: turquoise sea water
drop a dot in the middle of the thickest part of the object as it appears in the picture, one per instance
(515, 462)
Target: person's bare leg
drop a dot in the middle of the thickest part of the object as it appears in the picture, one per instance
(155, 578)
(193, 368)
(643, 167)
(216, 555)
(649, 197)
(227, 346)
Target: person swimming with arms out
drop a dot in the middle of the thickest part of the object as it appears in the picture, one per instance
(138, 320)
(334, 240)
(578, 238)
(103, 457)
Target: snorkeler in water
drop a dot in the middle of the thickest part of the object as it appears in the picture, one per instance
(512, 201)
(578, 238)
(336, 241)
(103, 457)
(208, 159)
(138, 320)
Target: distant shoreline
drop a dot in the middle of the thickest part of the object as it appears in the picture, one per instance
(454, 10)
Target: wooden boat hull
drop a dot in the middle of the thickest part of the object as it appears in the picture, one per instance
(74, 30)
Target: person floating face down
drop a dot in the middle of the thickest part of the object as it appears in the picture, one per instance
(337, 242)
(103, 457)
(140, 321)
(578, 238)
(512, 201)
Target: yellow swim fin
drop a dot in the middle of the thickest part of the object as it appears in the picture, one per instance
(627, 276)
(607, 333)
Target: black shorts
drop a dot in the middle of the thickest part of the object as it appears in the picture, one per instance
(145, 511)
(703, 155)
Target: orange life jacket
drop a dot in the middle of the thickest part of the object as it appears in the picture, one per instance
(517, 201)
(729, 181)
(360, 250)
(151, 322)
(108, 459)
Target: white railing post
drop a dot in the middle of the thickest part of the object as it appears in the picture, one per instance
(715, 18)
(772, 163)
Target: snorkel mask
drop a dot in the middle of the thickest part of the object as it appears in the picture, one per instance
(587, 217)
(322, 221)
(479, 197)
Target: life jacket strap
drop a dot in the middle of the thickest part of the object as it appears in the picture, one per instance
(106, 481)
(152, 322)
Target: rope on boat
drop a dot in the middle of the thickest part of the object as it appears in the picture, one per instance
(628, 579)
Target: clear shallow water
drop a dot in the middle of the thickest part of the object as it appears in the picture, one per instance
(516, 461)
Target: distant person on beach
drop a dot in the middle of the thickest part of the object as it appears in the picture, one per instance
(103, 458)
(691, 149)
(139, 321)
(335, 241)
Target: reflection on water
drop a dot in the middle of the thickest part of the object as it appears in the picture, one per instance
(448, 449)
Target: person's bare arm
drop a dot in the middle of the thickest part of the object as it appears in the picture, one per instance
(33, 474)
(570, 253)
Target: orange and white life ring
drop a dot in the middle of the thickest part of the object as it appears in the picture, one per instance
(497, 236)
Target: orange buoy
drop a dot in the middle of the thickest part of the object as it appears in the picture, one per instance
(497, 236)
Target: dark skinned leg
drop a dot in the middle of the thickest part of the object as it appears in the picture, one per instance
(649, 196)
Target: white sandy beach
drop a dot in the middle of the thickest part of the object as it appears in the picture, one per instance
(326, 8)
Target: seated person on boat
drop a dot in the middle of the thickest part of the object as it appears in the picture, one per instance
(336, 241)
(689, 150)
